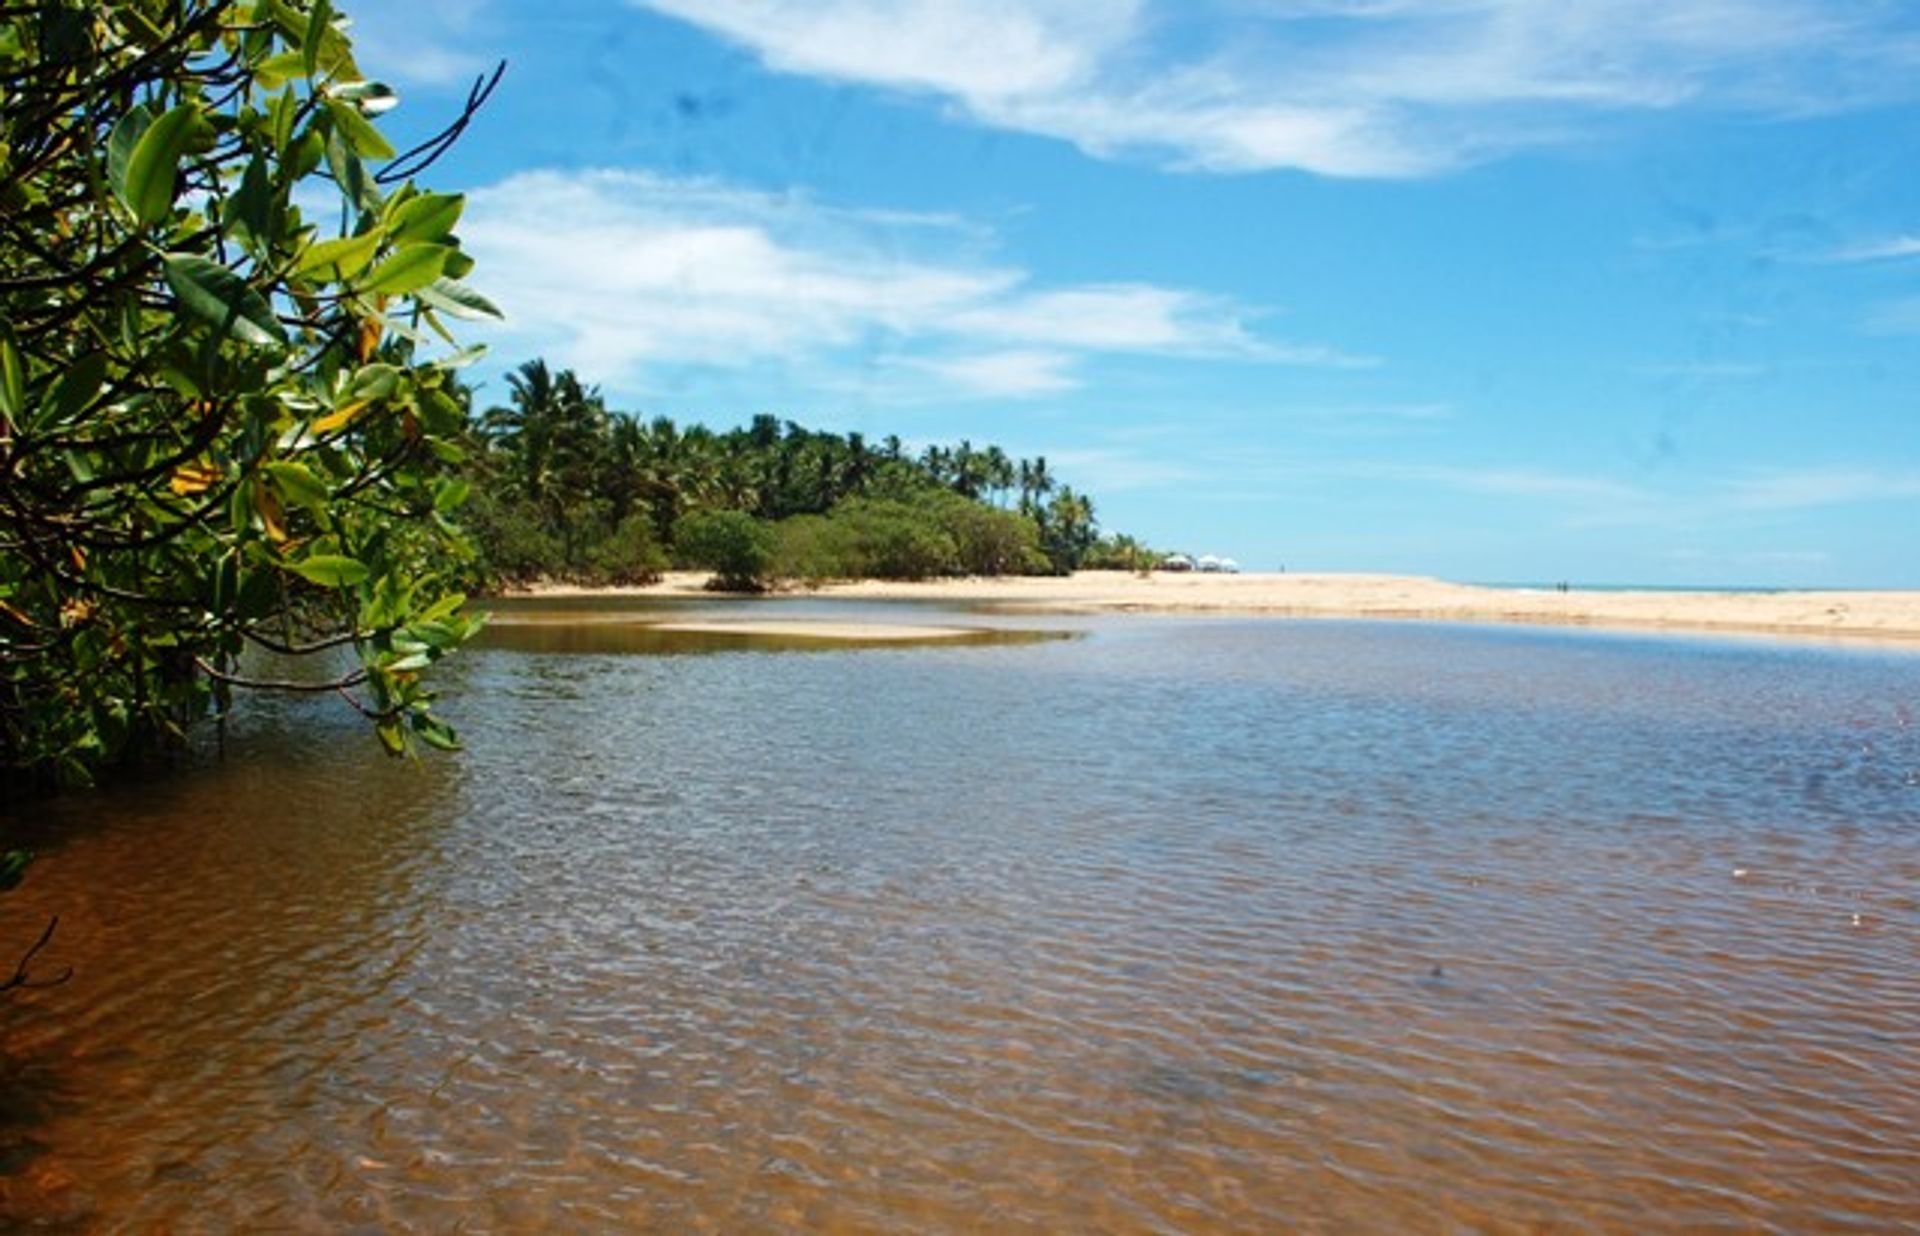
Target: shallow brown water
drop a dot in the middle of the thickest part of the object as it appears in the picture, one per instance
(1181, 926)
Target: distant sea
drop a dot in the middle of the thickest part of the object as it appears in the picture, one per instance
(1576, 586)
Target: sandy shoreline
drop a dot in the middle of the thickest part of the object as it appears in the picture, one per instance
(848, 632)
(1887, 615)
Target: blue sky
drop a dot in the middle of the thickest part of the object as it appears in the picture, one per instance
(1621, 291)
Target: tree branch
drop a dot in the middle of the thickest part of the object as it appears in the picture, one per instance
(21, 980)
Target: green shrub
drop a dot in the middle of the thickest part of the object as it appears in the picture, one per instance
(988, 541)
(812, 549)
(735, 546)
(893, 540)
(627, 555)
(512, 540)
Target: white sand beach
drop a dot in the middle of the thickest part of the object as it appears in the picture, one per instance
(1887, 615)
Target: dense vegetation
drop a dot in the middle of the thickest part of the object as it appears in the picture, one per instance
(222, 447)
(564, 488)
(215, 436)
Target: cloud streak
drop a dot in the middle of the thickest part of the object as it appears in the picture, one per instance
(617, 273)
(1360, 88)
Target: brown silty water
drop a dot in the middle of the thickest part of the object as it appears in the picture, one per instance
(1181, 925)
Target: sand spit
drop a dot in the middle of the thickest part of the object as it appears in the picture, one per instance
(1878, 615)
(850, 632)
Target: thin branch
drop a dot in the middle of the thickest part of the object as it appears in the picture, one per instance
(420, 158)
(20, 980)
(280, 684)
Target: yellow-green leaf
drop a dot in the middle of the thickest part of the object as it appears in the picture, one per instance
(298, 484)
(13, 377)
(340, 259)
(358, 131)
(340, 417)
(428, 217)
(409, 270)
(456, 299)
(155, 160)
(330, 570)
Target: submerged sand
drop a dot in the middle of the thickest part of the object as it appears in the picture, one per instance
(862, 632)
(1884, 615)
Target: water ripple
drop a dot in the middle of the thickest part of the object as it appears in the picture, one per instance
(1208, 926)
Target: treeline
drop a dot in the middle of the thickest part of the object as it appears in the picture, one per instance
(565, 488)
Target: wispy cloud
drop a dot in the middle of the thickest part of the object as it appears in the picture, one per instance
(1015, 374)
(1803, 488)
(616, 272)
(1519, 482)
(424, 42)
(1878, 250)
(1353, 88)
(1109, 470)
(1900, 316)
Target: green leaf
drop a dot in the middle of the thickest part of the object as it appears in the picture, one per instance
(457, 300)
(330, 570)
(76, 388)
(13, 868)
(391, 736)
(409, 270)
(375, 381)
(428, 217)
(277, 70)
(450, 493)
(340, 259)
(249, 211)
(350, 173)
(120, 145)
(335, 55)
(298, 484)
(445, 607)
(461, 359)
(154, 163)
(316, 30)
(210, 291)
(358, 131)
(435, 732)
(13, 377)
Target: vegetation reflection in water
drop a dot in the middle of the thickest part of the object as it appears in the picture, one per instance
(654, 627)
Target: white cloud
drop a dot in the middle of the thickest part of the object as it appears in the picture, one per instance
(424, 43)
(1111, 470)
(1114, 317)
(1878, 250)
(1014, 374)
(982, 49)
(1800, 489)
(1520, 482)
(616, 272)
(1360, 88)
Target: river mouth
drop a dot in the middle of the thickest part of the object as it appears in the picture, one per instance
(1206, 926)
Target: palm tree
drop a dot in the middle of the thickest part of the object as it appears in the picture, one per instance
(555, 434)
(1035, 483)
(997, 474)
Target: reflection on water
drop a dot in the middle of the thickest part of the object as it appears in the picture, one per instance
(1186, 925)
